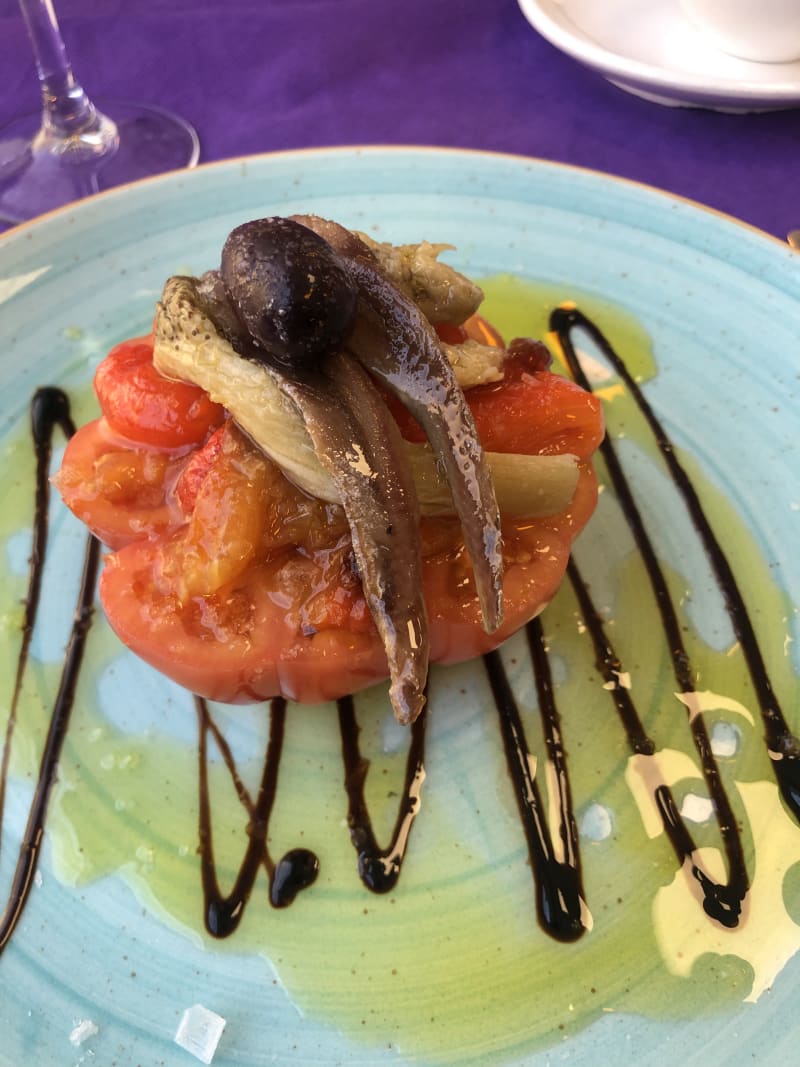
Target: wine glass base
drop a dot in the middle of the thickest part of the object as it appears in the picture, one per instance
(35, 178)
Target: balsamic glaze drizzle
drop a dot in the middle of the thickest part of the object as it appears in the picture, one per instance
(721, 901)
(49, 410)
(379, 868)
(559, 900)
(295, 871)
(556, 868)
(783, 745)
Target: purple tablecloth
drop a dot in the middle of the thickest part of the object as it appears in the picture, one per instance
(273, 74)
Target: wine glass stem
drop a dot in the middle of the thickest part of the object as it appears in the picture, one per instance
(69, 117)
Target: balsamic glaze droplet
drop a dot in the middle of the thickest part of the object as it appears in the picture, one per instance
(222, 916)
(295, 871)
(379, 867)
(378, 873)
(561, 902)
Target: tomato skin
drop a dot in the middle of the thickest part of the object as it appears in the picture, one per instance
(536, 413)
(261, 652)
(269, 657)
(142, 405)
(118, 490)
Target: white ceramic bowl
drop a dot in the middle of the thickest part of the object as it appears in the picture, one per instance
(767, 31)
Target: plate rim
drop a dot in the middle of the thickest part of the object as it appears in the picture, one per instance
(608, 180)
(22, 230)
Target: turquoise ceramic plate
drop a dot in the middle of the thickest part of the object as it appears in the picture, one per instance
(453, 964)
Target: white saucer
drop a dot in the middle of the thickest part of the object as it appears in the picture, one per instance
(650, 48)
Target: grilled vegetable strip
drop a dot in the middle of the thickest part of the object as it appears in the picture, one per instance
(364, 455)
(395, 341)
(296, 303)
(189, 346)
(440, 292)
(527, 487)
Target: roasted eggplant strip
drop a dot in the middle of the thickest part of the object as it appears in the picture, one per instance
(439, 291)
(357, 441)
(395, 342)
(385, 527)
(296, 303)
(191, 344)
(440, 410)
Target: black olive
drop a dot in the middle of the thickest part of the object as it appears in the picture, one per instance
(291, 293)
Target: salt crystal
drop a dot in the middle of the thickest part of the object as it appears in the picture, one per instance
(696, 808)
(82, 1031)
(199, 1032)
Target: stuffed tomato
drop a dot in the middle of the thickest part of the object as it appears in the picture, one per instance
(263, 542)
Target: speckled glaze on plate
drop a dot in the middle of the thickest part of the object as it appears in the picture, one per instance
(451, 967)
